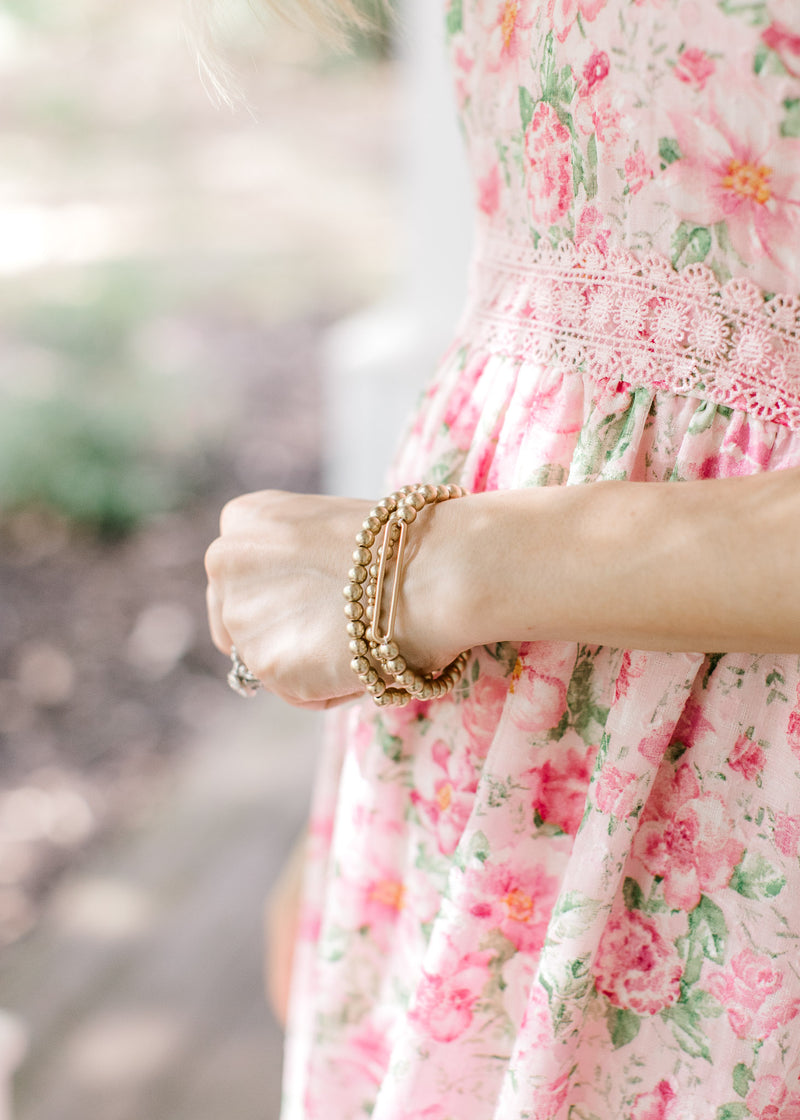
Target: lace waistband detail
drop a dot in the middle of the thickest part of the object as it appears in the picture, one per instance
(641, 322)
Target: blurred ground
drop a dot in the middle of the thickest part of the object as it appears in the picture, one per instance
(166, 273)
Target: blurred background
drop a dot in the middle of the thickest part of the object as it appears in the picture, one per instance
(187, 294)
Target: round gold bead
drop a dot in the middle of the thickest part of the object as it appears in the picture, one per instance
(426, 692)
(359, 647)
(353, 610)
(362, 556)
(377, 688)
(387, 650)
(396, 665)
(373, 571)
(372, 524)
(366, 538)
(407, 514)
(353, 592)
(428, 492)
(406, 678)
(371, 676)
(360, 665)
(371, 590)
(380, 513)
(357, 574)
(442, 493)
(356, 629)
(416, 500)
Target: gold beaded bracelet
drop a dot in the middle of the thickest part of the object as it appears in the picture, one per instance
(374, 649)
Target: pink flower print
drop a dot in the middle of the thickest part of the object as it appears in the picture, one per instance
(509, 33)
(736, 168)
(481, 711)
(793, 728)
(658, 1104)
(631, 668)
(550, 1098)
(615, 792)
(786, 44)
(770, 1099)
(461, 414)
(693, 724)
(750, 992)
(527, 1004)
(607, 122)
(747, 758)
(563, 13)
(589, 227)
(444, 1000)
(559, 787)
(548, 153)
(517, 901)
(383, 898)
(594, 71)
(786, 834)
(636, 968)
(687, 838)
(449, 808)
(489, 191)
(652, 746)
(694, 67)
(540, 698)
(637, 171)
(368, 1051)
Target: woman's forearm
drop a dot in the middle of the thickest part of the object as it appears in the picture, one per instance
(706, 566)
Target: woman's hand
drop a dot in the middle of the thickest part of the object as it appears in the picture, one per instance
(275, 580)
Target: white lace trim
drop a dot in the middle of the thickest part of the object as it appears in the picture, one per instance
(641, 322)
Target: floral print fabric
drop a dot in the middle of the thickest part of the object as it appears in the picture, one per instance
(570, 890)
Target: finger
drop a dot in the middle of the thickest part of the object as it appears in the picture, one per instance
(219, 634)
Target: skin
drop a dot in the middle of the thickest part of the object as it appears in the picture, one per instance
(706, 566)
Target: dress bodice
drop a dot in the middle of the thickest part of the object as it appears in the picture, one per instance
(647, 125)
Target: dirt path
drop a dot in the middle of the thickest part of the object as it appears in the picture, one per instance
(141, 985)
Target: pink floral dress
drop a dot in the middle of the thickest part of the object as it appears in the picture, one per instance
(571, 890)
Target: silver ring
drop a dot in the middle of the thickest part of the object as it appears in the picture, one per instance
(241, 680)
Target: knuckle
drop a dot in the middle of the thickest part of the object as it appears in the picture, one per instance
(214, 559)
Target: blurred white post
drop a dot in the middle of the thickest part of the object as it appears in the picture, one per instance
(376, 362)
(13, 1045)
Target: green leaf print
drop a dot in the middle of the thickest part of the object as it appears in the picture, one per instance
(687, 1030)
(573, 916)
(623, 1026)
(761, 57)
(526, 107)
(586, 715)
(455, 18)
(590, 175)
(633, 895)
(742, 1076)
(690, 244)
(708, 931)
(478, 848)
(668, 150)
(790, 125)
(753, 877)
(391, 745)
(734, 1111)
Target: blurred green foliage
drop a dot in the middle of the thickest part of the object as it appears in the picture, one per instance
(100, 439)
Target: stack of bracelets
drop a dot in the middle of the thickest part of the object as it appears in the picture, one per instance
(377, 662)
